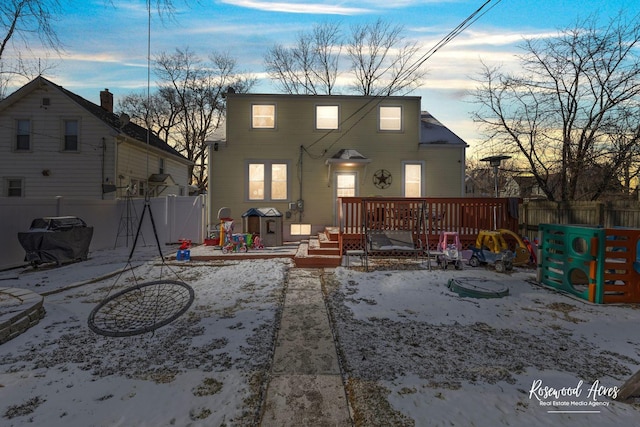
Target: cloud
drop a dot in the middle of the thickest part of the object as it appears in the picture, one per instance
(297, 7)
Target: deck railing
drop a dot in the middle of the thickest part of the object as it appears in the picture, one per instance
(466, 216)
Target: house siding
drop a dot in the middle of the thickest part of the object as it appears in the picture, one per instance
(70, 174)
(443, 179)
(106, 155)
(309, 176)
(129, 167)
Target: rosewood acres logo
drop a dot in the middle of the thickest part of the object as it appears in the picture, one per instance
(581, 398)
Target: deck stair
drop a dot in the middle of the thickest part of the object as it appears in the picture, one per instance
(322, 250)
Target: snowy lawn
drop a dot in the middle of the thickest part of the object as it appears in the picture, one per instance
(413, 352)
(416, 353)
(208, 368)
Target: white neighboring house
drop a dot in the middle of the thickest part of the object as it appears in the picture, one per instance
(56, 143)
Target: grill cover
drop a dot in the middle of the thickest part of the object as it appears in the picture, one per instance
(56, 239)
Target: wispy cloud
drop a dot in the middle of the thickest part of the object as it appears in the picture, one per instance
(298, 7)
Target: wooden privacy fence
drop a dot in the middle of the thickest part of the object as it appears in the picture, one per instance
(623, 213)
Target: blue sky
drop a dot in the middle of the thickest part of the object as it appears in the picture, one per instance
(106, 41)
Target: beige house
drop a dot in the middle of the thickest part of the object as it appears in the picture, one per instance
(56, 143)
(299, 154)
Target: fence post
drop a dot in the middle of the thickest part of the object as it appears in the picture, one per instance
(601, 214)
(59, 200)
(524, 219)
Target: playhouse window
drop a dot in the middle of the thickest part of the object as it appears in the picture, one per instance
(390, 118)
(263, 116)
(327, 117)
(267, 181)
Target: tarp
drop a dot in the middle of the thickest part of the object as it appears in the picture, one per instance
(56, 239)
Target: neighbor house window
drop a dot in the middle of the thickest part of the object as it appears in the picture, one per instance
(391, 118)
(14, 187)
(137, 188)
(412, 182)
(70, 135)
(160, 165)
(268, 181)
(327, 117)
(263, 116)
(23, 135)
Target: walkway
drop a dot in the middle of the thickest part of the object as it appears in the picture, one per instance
(306, 387)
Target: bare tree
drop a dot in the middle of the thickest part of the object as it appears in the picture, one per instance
(189, 105)
(21, 23)
(23, 18)
(24, 23)
(381, 62)
(572, 112)
(311, 65)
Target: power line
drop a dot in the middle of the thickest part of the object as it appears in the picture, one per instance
(477, 14)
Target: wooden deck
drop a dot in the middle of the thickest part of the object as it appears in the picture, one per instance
(466, 216)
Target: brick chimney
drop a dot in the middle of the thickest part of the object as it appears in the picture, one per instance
(106, 100)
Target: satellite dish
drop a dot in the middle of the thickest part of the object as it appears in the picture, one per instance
(124, 120)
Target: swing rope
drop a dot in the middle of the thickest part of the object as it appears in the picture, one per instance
(143, 307)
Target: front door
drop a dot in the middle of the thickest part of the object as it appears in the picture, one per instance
(344, 185)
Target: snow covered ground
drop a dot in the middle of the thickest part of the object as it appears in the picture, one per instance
(416, 353)
(413, 352)
(207, 368)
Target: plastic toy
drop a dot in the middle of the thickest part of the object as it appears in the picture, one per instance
(257, 242)
(449, 250)
(590, 262)
(523, 252)
(236, 243)
(502, 261)
(495, 242)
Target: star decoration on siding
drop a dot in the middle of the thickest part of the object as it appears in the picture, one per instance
(382, 178)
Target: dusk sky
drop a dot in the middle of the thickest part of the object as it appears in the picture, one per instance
(106, 41)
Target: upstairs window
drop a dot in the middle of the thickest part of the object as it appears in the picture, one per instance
(263, 116)
(70, 135)
(327, 117)
(23, 135)
(390, 118)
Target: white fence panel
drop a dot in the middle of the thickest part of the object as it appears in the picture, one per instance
(115, 222)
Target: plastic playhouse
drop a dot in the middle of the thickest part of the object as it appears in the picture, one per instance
(594, 263)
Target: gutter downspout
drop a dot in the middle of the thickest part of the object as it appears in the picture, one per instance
(104, 152)
(300, 190)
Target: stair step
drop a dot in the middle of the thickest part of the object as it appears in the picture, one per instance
(325, 242)
(332, 233)
(315, 247)
(304, 258)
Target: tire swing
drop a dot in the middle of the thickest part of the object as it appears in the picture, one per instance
(143, 307)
